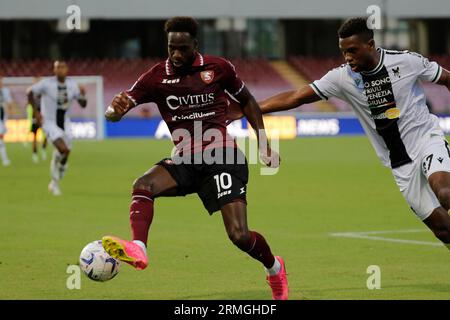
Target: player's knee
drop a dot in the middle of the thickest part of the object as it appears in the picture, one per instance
(143, 184)
(64, 152)
(240, 238)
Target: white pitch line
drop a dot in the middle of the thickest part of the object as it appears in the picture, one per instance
(368, 236)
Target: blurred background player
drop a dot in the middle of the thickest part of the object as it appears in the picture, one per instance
(57, 94)
(35, 126)
(221, 185)
(5, 108)
(384, 88)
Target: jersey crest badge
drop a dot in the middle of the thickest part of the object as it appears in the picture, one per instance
(396, 72)
(207, 76)
(358, 82)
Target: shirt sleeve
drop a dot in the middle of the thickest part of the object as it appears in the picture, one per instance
(230, 80)
(142, 90)
(329, 85)
(76, 90)
(38, 88)
(425, 69)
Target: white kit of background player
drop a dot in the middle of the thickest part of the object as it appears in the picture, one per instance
(56, 99)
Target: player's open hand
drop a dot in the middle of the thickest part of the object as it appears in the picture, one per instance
(270, 157)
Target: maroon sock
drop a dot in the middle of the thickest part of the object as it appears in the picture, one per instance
(141, 214)
(260, 250)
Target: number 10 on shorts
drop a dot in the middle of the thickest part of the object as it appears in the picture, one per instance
(223, 182)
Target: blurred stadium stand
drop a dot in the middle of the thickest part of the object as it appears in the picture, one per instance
(264, 41)
(120, 74)
(258, 73)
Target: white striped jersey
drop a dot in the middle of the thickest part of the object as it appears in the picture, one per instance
(389, 102)
(56, 98)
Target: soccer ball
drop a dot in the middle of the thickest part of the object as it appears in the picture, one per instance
(97, 264)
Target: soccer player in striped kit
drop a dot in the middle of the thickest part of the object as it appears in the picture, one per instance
(57, 94)
(383, 87)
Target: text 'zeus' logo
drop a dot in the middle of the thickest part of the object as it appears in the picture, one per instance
(193, 101)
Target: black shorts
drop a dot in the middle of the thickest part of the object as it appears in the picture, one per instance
(217, 184)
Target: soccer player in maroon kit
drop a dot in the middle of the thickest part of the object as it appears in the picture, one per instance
(192, 91)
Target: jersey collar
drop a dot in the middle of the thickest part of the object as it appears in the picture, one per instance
(379, 65)
(198, 62)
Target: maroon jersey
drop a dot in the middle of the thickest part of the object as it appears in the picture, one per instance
(193, 98)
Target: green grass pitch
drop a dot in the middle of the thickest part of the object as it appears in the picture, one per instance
(324, 186)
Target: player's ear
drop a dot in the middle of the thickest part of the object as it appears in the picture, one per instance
(371, 43)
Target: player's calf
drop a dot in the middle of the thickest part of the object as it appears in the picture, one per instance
(256, 246)
(62, 150)
(58, 165)
(64, 156)
(141, 214)
(241, 238)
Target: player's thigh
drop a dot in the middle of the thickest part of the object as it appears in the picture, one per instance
(56, 135)
(416, 190)
(158, 181)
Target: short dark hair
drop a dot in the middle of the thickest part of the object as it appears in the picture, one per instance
(182, 24)
(356, 26)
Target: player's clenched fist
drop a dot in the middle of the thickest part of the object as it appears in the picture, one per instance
(120, 105)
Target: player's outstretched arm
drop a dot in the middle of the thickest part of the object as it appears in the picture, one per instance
(282, 101)
(445, 79)
(252, 112)
(289, 100)
(82, 100)
(119, 106)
